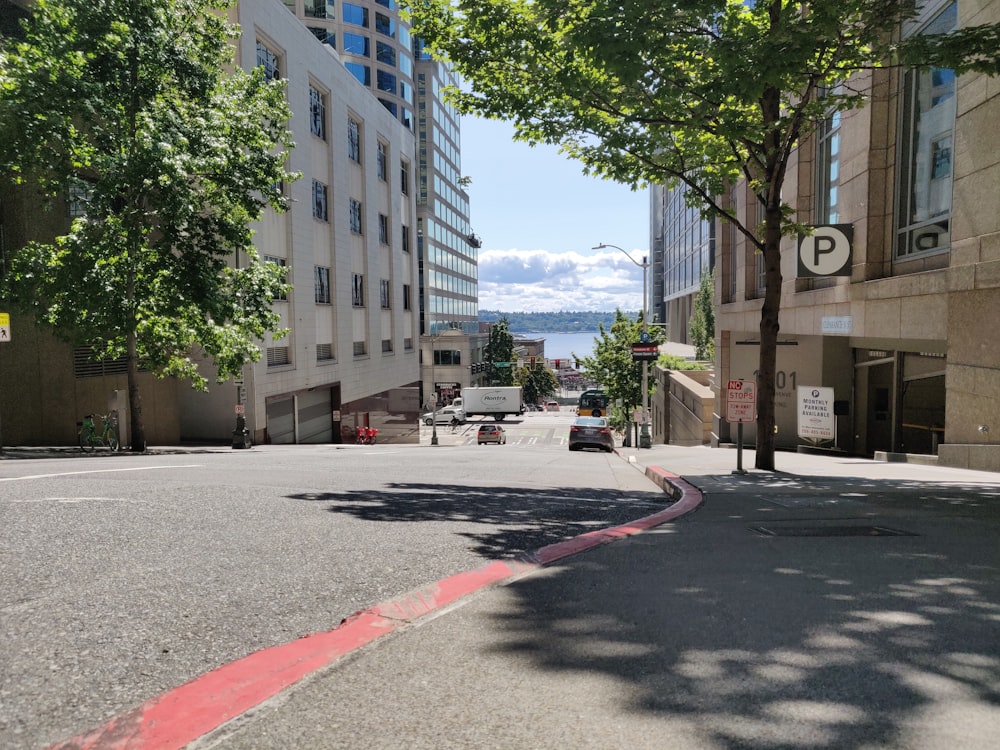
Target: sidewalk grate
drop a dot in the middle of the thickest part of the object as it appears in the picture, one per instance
(818, 531)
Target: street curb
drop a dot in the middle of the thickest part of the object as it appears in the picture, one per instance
(199, 707)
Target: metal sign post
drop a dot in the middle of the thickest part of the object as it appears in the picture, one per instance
(741, 407)
(4, 337)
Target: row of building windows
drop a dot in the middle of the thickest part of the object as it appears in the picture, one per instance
(321, 287)
(451, 205)
(442, 281)
(452, 308)
(320, 211)
(317, 125)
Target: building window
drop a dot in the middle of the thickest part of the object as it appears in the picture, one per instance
(362, 72)
(319, 201)
(385, 81)
(448, 357)
(381, 161)
(828, 170)
(356, 216)
(354, 140)
(324, 35)
(385, 25)
(384, 296)
(268, 60)
(406, 238)
(317, 112)
(404, 176)
(78, 200)
(280, 262)
(324, 352)
(385, 53)
(406, 296)
(360, 349)
(278, 356)
(386, 346)
(357, 44)
(321, 281)
(925, 158)
(319, 9)
(383, 229)
(358, 290)
(355, 15)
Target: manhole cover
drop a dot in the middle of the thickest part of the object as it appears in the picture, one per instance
(809, 531)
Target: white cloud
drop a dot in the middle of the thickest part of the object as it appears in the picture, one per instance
(543, 281)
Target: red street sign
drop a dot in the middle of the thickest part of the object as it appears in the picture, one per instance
(649, 352)
(741, 401)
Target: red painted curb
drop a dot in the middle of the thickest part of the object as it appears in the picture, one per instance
(182, 715)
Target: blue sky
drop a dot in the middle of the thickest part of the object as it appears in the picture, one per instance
(538, 217)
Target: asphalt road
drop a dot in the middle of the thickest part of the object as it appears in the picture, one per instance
(125, 576)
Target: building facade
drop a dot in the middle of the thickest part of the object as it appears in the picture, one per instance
(910, 185)
(348, 242)
(374, 44)
(447, 247)
(682, 250)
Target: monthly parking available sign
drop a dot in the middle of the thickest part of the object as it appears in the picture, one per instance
(816, 418)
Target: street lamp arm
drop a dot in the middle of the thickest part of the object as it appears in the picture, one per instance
(603, 245)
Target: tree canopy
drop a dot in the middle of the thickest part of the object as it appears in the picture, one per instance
(133, 111)
(537, 382)
(702, 323)
(611, 365)
(706, 93)
(500, 348)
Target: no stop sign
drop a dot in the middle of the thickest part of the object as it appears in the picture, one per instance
(741, 401)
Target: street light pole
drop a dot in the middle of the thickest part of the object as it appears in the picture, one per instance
(434, 395)
(644, 438)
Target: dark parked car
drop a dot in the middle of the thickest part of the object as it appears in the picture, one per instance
(591, 432)
(491, 433)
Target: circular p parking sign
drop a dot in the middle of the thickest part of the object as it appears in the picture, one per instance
(827, 251)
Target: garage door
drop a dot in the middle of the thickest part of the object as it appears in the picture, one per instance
(281, 421)
(315, 422)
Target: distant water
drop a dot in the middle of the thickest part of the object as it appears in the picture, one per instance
(564, 345)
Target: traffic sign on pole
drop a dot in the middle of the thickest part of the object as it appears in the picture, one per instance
(741, 401)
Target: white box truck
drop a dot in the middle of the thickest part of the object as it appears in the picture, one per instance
(491, 401)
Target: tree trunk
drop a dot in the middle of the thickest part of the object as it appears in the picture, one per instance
(772, 179)
(767, 364)
(137, 431)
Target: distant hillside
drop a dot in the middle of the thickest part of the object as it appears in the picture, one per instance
(557, 322)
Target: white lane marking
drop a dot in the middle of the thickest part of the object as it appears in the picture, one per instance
(97, 471)
(76, 500)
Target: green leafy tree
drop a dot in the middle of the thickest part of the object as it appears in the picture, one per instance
(702, 322)
(611, 365)
(133, 107)
(537, 382)
(703, 92)
(500, 348)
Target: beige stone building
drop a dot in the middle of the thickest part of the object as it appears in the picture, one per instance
(349, 243)
(909, 340)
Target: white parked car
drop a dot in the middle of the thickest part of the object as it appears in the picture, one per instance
(445, 415)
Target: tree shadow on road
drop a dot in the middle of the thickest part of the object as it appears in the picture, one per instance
(503, 522)
(731, 639)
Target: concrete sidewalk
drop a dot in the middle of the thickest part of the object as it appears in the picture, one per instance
(836, 603)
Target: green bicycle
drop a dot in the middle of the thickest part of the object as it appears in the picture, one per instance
(107, 437)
